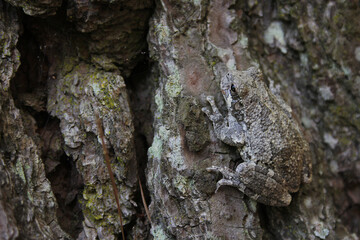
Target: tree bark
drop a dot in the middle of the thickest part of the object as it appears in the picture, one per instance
(146, 69)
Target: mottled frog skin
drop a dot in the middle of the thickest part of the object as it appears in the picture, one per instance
(276, 157)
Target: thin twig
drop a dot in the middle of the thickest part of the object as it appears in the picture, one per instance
(107, 160)
(144, 202)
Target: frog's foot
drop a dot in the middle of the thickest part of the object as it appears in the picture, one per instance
(230, 178)
(226, 129)
(216, 117)
(224, 182)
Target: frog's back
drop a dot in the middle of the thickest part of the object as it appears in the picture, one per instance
(273, 138)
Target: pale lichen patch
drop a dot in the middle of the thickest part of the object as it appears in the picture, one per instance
(20, 170)
(173, 86)
(326, 93)
(175, 155)
(159, 102)
(158, 233)
(156, 148)
(357, 53)
(330, 140)
(274, 36)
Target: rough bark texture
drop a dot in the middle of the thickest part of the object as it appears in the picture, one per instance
(72, 68)
(63, 62)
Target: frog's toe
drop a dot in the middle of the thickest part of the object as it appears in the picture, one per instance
(224, 182)
(206, 110)
(210, 99)
(213, 169)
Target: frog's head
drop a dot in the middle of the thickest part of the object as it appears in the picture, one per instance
(245, 82)
(226, 82)
(228, 88)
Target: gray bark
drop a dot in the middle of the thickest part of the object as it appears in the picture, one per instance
(63, 62)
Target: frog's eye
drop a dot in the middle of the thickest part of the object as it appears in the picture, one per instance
(228, 76)
(232, 87)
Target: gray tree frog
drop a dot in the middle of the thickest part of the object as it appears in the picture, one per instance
(276, 157)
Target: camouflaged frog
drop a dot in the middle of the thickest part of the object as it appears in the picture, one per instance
(276, 158)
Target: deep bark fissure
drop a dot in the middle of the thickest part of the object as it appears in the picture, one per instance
(67, 186)
(138, 86)
(31, 75)
(29, 90)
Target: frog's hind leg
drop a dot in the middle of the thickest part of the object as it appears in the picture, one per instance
(259, 183)
(263, 184)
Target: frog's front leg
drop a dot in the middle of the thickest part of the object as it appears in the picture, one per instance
(226, 129)
(258, 182)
